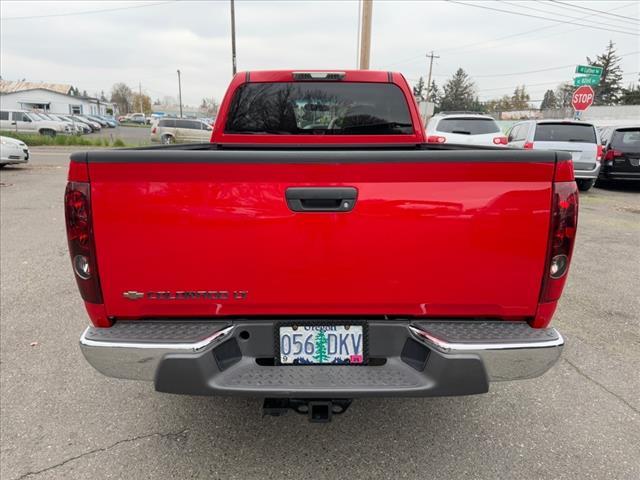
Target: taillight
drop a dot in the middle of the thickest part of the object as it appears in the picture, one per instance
(436, 139)
(528, 145)
(611, 154)
(154, 130)
(500, 140)
(599, 153)
(77, 202)
(563, 225)
(564, 221)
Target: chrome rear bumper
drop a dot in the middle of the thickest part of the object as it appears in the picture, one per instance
(421, 358)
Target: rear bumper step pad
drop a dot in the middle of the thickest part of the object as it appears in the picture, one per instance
(415, 358)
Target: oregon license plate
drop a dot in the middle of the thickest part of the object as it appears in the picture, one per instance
(321, 344)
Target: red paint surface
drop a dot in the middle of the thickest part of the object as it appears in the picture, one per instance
(453, 239)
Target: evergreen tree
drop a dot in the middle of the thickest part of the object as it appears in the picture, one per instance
(610, 88)
(419, 90)
(459, 93)
(321, 347)
(631, 95)
(564, 92)
(549, 101)
(434, 94)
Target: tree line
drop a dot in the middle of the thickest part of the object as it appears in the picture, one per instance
(460, 93)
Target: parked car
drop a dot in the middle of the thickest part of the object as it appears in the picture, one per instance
(621, 159)
(138, 118)
(580, 139)
(86, 128)
(77, 129)
(111, 122)
(23, 121)
(13, 151)
(313, 267)
(180, 130)
(95, 126)
(464, 128)
(99, 120)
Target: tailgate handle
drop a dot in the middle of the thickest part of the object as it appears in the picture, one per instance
(323, 199)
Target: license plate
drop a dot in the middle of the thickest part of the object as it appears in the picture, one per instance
(321, 344)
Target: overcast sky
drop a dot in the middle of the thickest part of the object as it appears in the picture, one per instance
(149, 42)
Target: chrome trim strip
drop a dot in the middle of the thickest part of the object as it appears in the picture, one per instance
(502, 361)
(447, 347)
(190, 347)
(137, 360)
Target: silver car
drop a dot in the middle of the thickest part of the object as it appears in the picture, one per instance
(180, 130)
(581, 139)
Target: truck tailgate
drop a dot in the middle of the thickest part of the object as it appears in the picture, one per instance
(210, 233)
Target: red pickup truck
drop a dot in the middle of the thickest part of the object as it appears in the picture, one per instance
(319, 249)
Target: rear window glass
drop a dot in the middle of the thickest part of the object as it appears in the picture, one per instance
(167, 123)
(565, 132)
(468, 126)
(626, 140)
(319, 108)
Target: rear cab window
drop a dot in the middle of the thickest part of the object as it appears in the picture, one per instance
(468, 125)
(626, 140)
(319, 108)
(565, 132)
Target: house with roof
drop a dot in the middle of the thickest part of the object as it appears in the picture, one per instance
(50, 97)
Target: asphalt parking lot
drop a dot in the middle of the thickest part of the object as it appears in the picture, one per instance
(62, 419)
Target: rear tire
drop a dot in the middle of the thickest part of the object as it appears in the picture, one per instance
(167, 140)
(585, 184)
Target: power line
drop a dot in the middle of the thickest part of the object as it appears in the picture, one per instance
(599, 12)
(87, 12)
(540, 84)
(541, 70)
(477, 45)
(543, 18)
(549, 69)
(600, 22)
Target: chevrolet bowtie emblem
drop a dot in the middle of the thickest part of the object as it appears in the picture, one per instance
(133, 295)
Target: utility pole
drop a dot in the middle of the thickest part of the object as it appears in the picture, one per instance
(180, 93)
(430, 56)
(140, 96)
(233, 37)
(365, 35)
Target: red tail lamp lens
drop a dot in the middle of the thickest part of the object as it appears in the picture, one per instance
(564, 223)
(77, 201)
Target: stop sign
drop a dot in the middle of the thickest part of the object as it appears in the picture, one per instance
(582, 98)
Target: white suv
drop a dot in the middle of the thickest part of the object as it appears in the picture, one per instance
(22, 121)
(464, 128)
(580, 139)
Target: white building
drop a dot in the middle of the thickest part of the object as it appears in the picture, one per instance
(50, 97)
